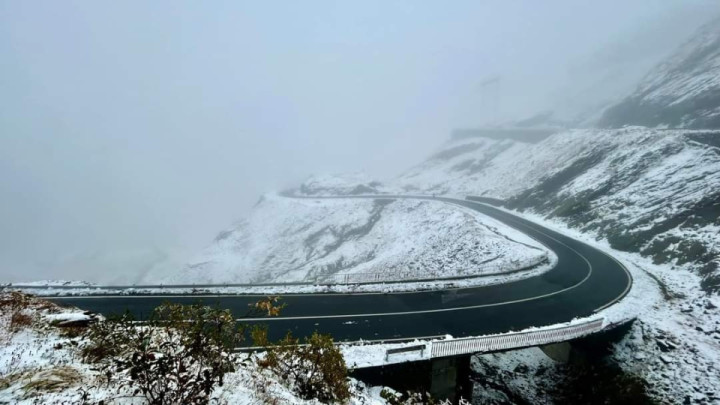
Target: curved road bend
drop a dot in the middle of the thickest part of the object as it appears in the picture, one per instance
(584, 281)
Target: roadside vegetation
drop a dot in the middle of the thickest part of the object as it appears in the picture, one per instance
(178, 357)
(314, 368)
(183, 352)
(181, 355)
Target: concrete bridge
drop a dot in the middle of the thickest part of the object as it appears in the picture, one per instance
(443, 367)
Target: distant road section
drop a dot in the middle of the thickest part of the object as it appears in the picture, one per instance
(584, 281)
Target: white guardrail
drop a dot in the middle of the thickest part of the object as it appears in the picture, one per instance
(444, 348)
(410, 275)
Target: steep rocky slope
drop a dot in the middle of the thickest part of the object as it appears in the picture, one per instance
(656, 192)
(681, 92)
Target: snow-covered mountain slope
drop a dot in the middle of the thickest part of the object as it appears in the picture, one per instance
(681, 92)
(290, 239)
(652, 191)
(340, 184)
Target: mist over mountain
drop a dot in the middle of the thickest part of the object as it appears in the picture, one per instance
(681, 92)
(651, 191)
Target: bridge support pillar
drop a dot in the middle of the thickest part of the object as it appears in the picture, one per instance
(444, 378)
(559, 352)
(450, 378)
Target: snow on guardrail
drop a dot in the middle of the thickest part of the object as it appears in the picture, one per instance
(482, 270)
(453, 347)
(383, 354)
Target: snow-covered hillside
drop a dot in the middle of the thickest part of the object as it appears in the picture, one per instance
(340, 184)
(652, 191)
(291, 239)
(683, 91)
(649, 191)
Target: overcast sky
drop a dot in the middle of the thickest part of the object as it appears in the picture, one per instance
(135, 126)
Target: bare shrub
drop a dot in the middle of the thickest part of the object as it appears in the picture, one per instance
(20, 320)
(72, 332)
(109, 338)
(14, 301)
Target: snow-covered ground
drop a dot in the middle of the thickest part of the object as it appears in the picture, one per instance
(646, 190)
(651, 198)
(340, 184)
(335, 240)
(673, 346)
(41, 364)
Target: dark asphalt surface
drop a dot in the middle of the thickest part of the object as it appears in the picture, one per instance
(583, 281)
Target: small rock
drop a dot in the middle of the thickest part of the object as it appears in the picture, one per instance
(665, 359)
(521, 369)
(664, 347)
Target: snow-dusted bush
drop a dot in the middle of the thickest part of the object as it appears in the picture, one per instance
(393, 397)
(315, 370)
(178, 357)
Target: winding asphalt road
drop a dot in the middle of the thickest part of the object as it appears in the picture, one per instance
(584, 281)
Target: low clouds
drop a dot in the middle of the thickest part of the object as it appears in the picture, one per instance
(138, 130)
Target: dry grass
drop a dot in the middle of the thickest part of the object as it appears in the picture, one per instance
(14, 305)
(20, 320)
(56, 379)
(17, 310)
(14, 301)
(8, 380)
(35, 382)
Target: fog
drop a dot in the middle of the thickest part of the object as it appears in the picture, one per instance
(133, 127)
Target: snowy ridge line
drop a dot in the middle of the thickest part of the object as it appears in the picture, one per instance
(484, 344)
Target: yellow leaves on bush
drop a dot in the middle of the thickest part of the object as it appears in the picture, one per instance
(269, 306)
